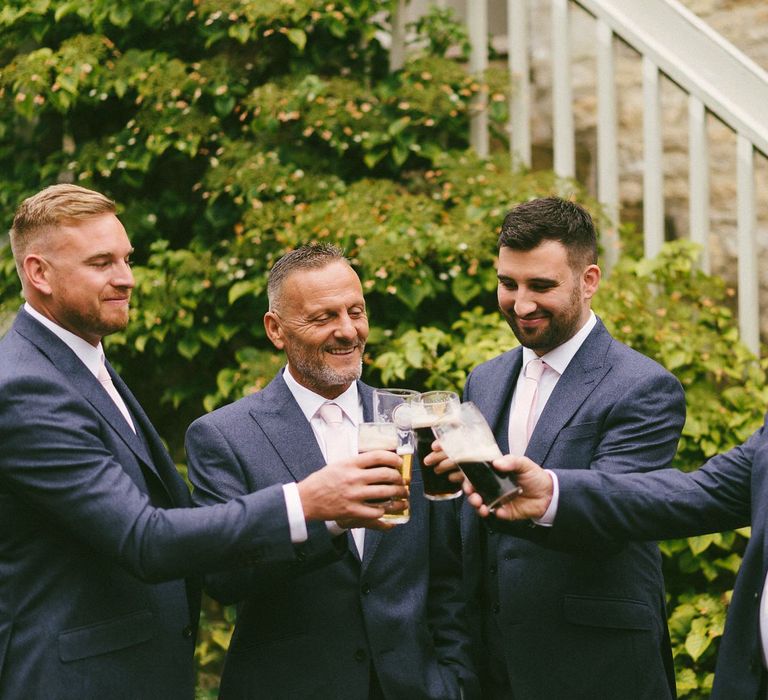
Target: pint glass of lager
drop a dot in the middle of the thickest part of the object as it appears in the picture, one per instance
(385, 436)
(468, 440)
(426, 410)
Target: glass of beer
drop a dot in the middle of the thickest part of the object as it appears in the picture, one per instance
(426, 410)
(468, 440)
(386, 436)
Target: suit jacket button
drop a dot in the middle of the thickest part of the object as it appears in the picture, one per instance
(493, 569)
(360, 655)
(496, 608)
(187, 632)
(366, 589)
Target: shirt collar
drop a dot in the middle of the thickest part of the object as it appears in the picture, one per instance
(309, 401)
(92, 357)
(560, 357)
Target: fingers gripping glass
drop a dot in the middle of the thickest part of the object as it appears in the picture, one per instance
(468, 440)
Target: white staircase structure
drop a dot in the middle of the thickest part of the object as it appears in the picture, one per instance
(671, 43)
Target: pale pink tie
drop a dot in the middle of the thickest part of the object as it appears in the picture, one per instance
(523, 416)
(106, 382)
(337, 447)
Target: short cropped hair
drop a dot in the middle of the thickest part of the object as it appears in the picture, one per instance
(551, 219)
(306, 257)
(39, 214)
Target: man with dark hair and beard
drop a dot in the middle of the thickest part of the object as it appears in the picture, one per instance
(587, 623)
(380, 614)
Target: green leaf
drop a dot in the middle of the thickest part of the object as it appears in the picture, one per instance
(465, 288)
(65, 9)
(701, 543)
(240, 289)
(398, 125)
(399, 154)
(120, 14)
(188, 347)
(240, 32)
(297, 37)
(372, 158)
(696, 643)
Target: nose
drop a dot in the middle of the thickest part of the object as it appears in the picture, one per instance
(346, 327)
(524, 303)
(123, 275)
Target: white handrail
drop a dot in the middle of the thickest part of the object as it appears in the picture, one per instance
(696, 57)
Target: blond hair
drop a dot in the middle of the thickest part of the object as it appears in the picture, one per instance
(39, 214)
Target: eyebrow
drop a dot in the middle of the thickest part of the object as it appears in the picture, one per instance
(532, 280)
(105, 254)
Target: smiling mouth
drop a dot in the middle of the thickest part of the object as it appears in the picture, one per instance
(531, 320)
(342, 351)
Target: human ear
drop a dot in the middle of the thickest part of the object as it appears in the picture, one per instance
(36, 271)
(274, 329)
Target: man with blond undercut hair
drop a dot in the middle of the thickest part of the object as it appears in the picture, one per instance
(99, 549)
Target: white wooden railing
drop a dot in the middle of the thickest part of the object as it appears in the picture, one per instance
(671, 42)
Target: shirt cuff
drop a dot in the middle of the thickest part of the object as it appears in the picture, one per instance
(296, 521)
(548, 519)
(334, 528)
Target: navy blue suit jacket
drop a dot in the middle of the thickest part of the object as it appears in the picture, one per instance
(311, 629)
(729, 491)
(95, 540)
(589, 622)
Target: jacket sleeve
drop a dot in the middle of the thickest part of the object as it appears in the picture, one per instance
(638, 433)
(55, 457)
(664, 504)
(218, 474)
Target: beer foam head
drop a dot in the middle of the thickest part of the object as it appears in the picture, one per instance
(376, 436)
(426, 415)
(466, 436)
(468, 446)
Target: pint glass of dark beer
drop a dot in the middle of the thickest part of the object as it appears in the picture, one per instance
(468, 440)
(426, 410)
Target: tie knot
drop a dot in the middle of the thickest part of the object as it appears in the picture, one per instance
(534, 369)
(331, 413)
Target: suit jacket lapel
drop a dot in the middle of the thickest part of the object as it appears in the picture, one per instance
(581, 377)
(83, 382)
(289, 432)
(158, 459)
(494, 404)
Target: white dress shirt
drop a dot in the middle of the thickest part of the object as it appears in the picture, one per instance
(352, 414)
(91, 356)
(556, 362)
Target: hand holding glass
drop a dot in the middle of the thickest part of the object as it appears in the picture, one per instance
(384, 436)
(468, 440)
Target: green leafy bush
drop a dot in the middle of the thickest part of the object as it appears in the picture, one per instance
(229, 131)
